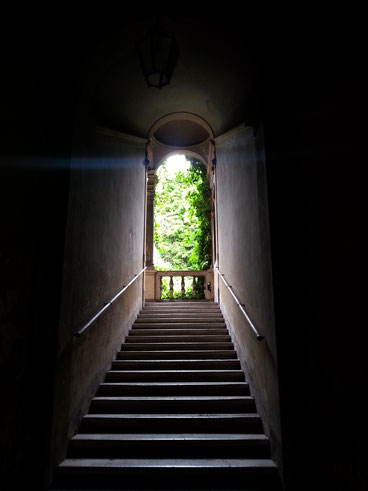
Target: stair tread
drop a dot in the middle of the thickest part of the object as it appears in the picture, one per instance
(182, 311)
(182, 318)
(187, 344)
(157, 325)
(159, 422)
(126, 365)
(200, 340)
(183, 338)
(167, 331)
(184, 308)
(185, 303)
(173, 415)
(175, 345)
(170, 436)
(171, 404)
(173, 388)
(181, 375)
(196, 354)
(178, 351)
(180, 315)
(168, 310)
(178, 360)
(174, 371)
(153, 363)
(151, 332)
(162, 463)
(173, 398)
(172, 384)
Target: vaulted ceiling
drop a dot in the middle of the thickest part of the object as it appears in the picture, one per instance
(213, 78)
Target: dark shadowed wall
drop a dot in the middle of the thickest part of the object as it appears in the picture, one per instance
(103, 252)
(315, 125)
(245, 260)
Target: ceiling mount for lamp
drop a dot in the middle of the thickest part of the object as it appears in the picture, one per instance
(158, 53)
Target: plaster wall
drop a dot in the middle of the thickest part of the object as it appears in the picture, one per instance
(103, 252)
(245, 260)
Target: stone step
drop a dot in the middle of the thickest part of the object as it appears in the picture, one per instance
(143, 473)
(187, 302)
(196, 316)
(166, 487)
(173, 388)
(180, 304)
(171, 319)
(177, 354)
(175, 376)
(176, 365)
(181, 313)
(178, 309)
(173, 404)
(172, 330)
(171, 445)
(176, 346)
(180, 339)
(171, 423)
(196, 313)
(174, 412)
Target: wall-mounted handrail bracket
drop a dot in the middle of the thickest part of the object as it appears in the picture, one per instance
(241, 306)
(107, 305)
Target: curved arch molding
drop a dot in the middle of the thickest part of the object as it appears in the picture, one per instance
(201, 147)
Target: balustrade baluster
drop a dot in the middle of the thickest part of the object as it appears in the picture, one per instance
(201, 287)
(171, 287)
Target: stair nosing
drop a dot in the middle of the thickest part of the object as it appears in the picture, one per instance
(175, 371)
(170, 384)
(196, 360)
(206, 416)
(171, 436)
(170, 463)
(172, 398)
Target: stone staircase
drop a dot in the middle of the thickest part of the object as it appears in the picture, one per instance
(173, 413)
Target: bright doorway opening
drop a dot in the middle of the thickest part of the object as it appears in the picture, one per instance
(182, 224)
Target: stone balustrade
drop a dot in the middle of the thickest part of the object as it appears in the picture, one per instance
(207, 276)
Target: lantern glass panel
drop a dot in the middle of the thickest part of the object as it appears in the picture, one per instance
(162, 46)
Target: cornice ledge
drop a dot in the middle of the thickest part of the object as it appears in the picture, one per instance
(241, 128)
(122, 136)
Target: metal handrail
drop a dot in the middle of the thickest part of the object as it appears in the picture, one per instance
(107, 305)
(254, 329)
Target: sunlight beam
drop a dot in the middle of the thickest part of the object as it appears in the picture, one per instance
(177, 163)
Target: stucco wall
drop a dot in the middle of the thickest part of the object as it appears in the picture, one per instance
(103, 252)
(245, 260)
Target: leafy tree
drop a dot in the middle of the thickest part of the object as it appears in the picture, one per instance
(182, 233)
(199, 199)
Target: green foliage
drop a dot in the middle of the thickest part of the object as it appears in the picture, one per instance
(165, 292)
(182, 232)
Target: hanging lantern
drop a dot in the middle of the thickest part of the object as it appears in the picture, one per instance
(158, 54)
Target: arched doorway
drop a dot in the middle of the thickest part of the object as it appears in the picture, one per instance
(177, 134)
(182, 227)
